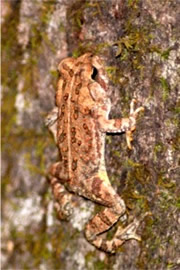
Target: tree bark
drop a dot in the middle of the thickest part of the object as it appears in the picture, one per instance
(139, 42)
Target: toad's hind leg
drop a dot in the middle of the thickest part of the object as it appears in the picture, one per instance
(63, 204)
(101, 191)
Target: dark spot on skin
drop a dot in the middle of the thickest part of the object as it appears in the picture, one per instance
(74, 164)
(93, 225)
(65, 66)
(61, 115)
(68, 69)
(73, 140)
(66, 96)
(65, 162)
(89, 133)
(85, 126)
(71, 73)
(73, 134)
(75, 113)
(73, 130)
(64, 86)
(78, 75)
(79, 142)
(78, 87)
(87, 111)
(77, 92)
(89, 146)
(82, 70)
(63, 108)
(62, 137)
(105, 219)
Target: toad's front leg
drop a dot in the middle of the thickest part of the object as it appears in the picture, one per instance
(127, 125)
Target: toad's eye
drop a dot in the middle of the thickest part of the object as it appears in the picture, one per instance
(99, 77)
(94, 74)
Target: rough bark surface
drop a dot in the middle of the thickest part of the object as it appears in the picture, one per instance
(140, 44)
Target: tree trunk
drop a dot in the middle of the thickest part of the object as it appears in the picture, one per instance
(139, 42)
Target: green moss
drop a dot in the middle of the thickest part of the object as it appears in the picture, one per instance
(116, 76)
(37, 39)
(34, 169)
(10, 51)
(178, 203)
(47, 9)
(62, 28)
(75, 18)
(8, 116)
(129, 163)
(166, 199)
(134, 45)
(30, 71)
(108, 139)
(93, 264)
(133, 3)
(158, 149)
(75, 15)
(15, 137)
(99, 265)
(137, 178)
(41, 246)
(90, 257)
(165, 89)
(171, 265)
(82, 48)
(176, 109)
(49, 43)
(39, 143)
(11, 55)
(165, 54)
(165, 182)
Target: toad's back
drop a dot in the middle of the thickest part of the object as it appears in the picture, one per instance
(79, 139)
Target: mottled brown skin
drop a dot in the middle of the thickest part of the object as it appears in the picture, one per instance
(79, 126)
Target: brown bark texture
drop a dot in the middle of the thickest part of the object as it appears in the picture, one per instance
(139, 41)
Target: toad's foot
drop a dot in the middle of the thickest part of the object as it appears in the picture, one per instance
(121, 235)
(132, 117)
